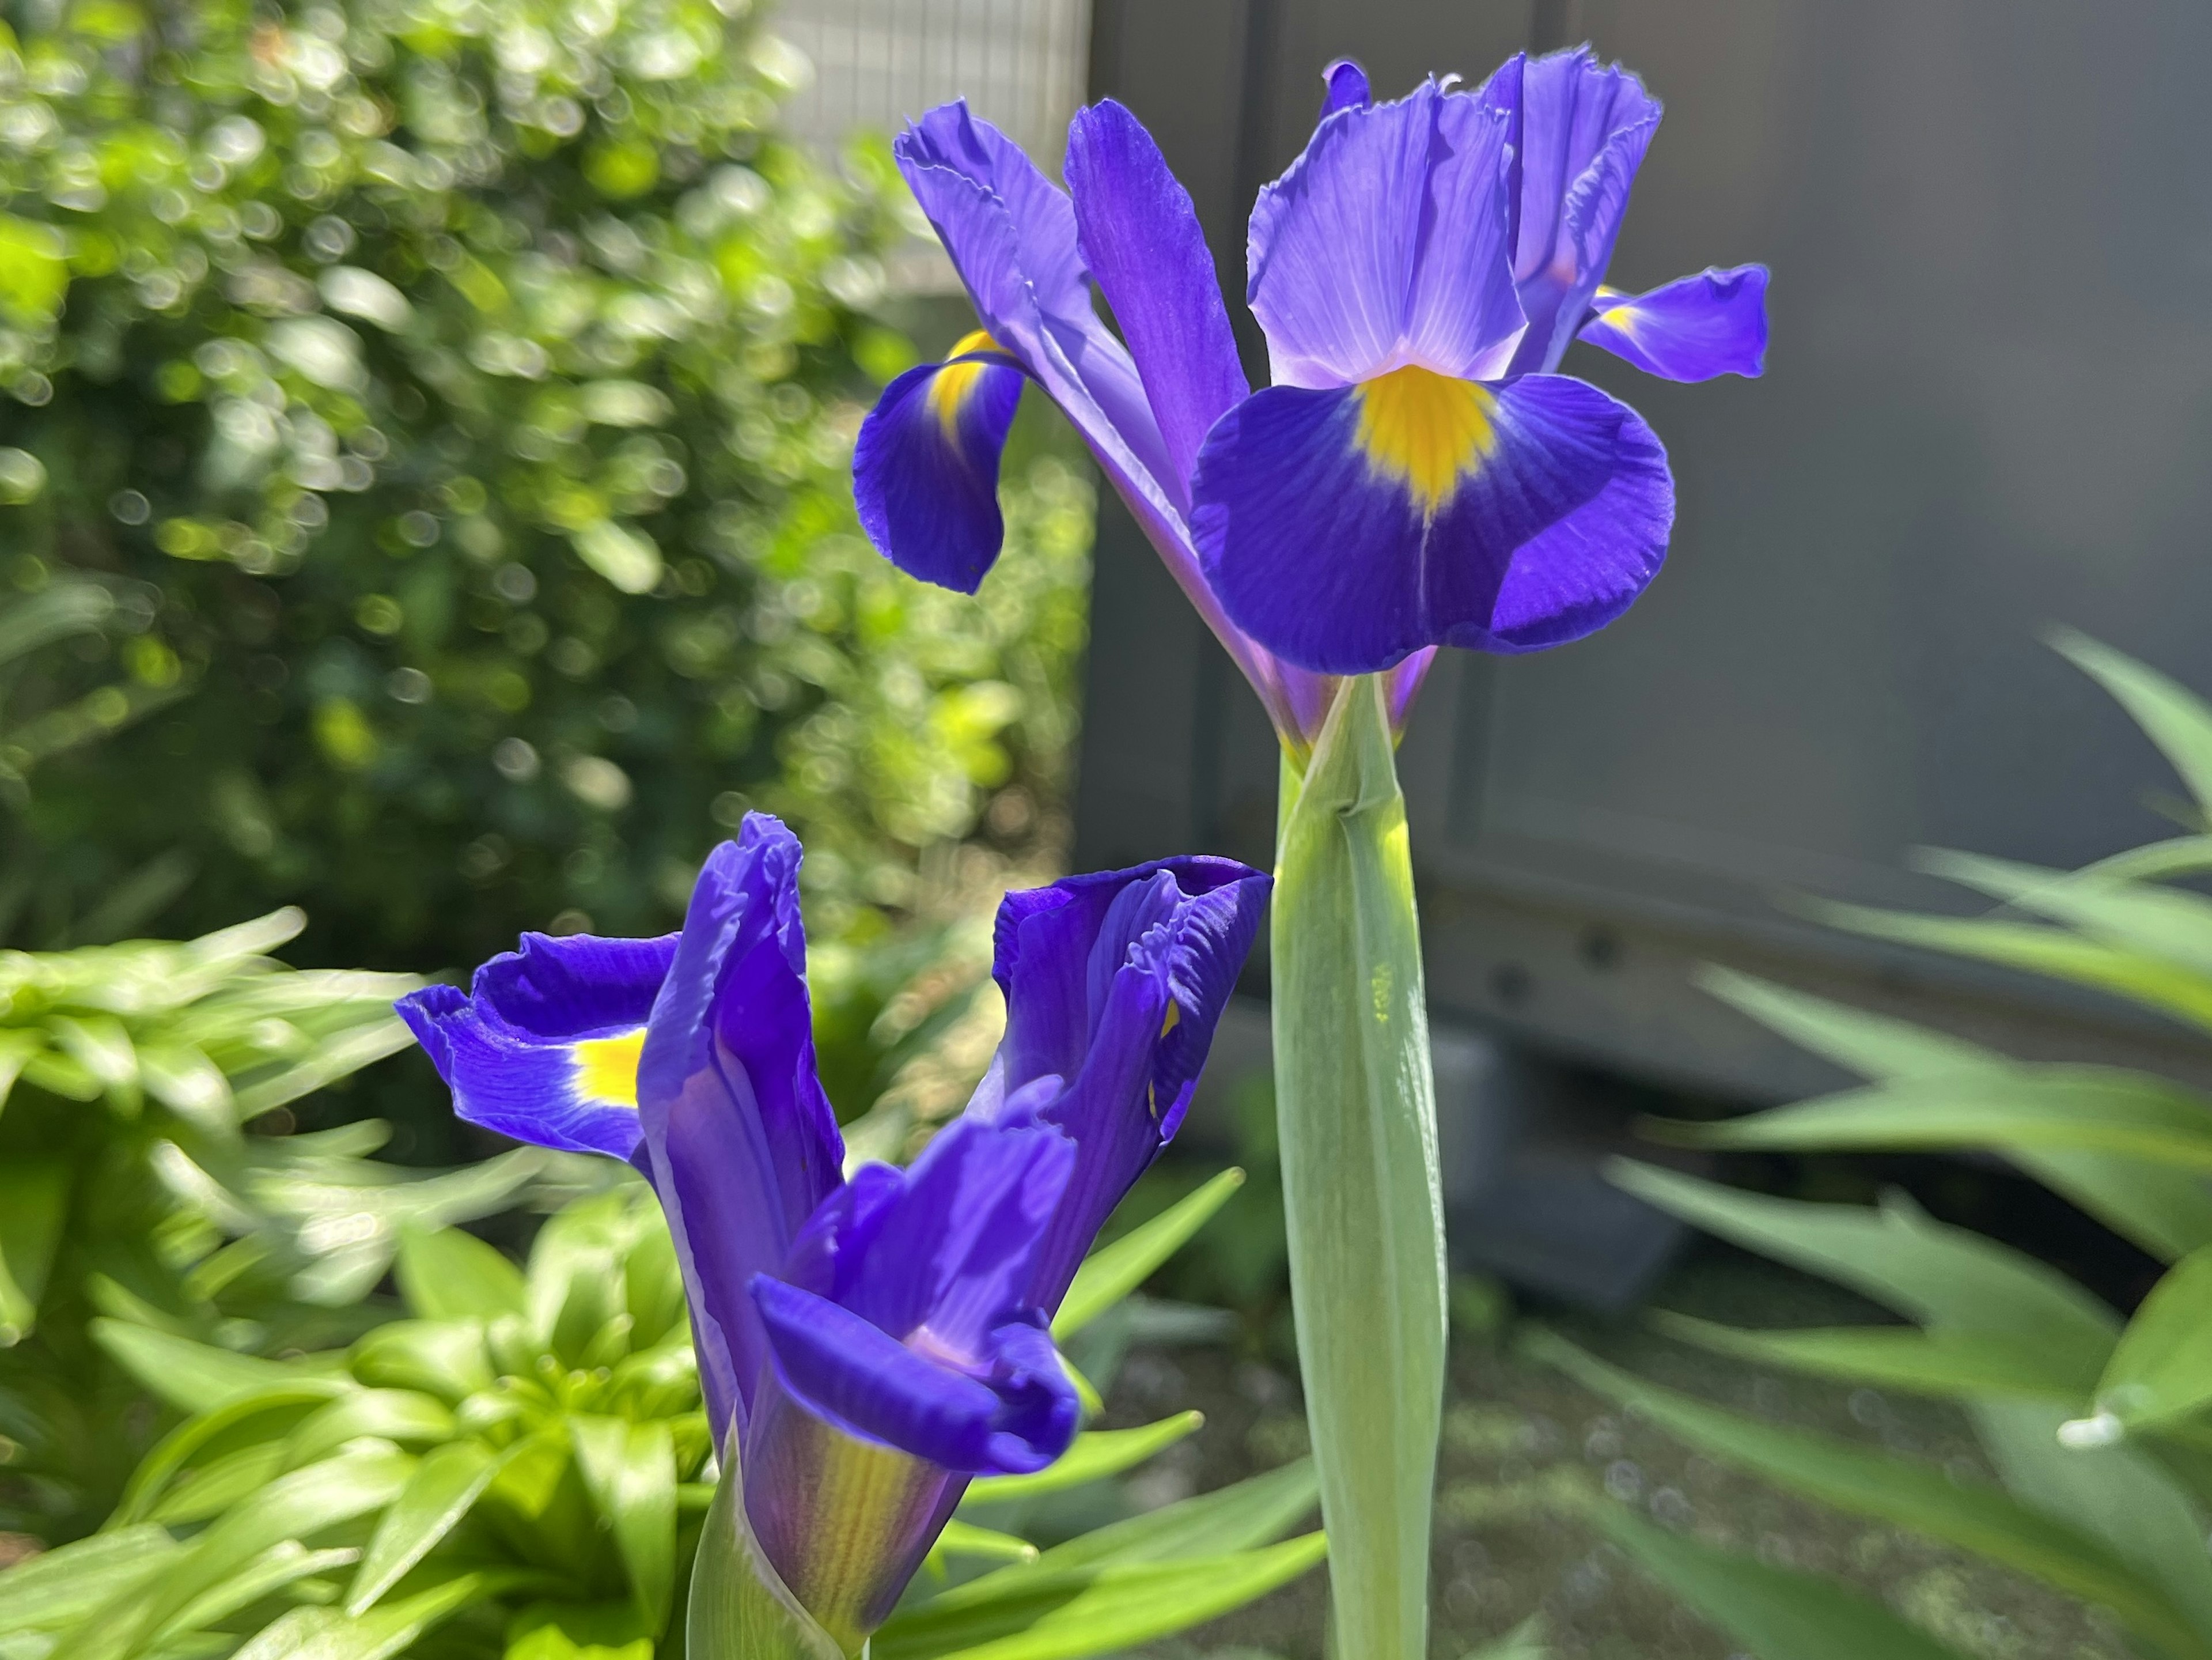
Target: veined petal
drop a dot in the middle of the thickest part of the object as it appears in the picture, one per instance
(1692, 328)
(1583, 129)
(1384, 244)
(926, 465)
(1141, 237)
(1115, 983)
(1347, 88)
(543, 1046)
(1346, 529)
(741, 1144)
(1007, 1410)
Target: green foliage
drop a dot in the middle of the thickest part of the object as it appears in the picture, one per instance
(132, 1188)
(521, 1468)
(462, 396)
(2098, 1427)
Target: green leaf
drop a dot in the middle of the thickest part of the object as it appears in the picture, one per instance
(2172, 717)
(297, 1507)
(214, 1431)
(219, 1483)
(384, 1414)
(2100, 1109)
(2167, 923)
(195, 1376)
(1356, 1113)
(62, 1586)
(631, 1469)
(965, 1539)
(33, 271)
(314, 1633)
(1926, 1501)
(1524, 1642)
(2167, 1212)
(1109, 1274)
(1871, 1045)
(1948, 1364)
(1093, 1610)
(1255, 1512)
(1943, 1276)
(2161, 1369)
(33, 1199)
(1776, 1614)
(738, 1605)
(445, 1273)
(283, 1564)
(1094, 1454)
(444, 1358)
(445, 1485)
(2039, 950)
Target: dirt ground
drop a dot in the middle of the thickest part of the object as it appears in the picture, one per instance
(1523, 1443)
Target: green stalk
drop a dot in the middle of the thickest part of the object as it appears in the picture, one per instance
(739, 1607)
(1355, 1100)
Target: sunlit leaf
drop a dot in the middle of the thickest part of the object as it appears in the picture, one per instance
(449, 1480)
(195, 1376)
(2161, 1369)
(1110, 1274)
(1094, 1454)
(445, 1273)
(1778, 1613)
(631, 1469)
(1098, 1610)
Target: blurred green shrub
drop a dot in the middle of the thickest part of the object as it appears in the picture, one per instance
(463, 390)
(2097, 1425)
(521, 1468)
(130, 1189)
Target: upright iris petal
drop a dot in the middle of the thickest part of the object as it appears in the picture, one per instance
(1389, 494)
(870, 1343)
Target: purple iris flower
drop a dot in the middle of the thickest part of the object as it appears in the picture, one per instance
(870, 1342)
(1417, 475)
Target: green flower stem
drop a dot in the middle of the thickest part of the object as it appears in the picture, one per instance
(1355, 1099)
(741, 1608)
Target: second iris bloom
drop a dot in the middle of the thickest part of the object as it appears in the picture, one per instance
(865, 1343)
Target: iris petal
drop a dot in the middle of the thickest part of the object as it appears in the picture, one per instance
(1345, 530)
(741, 1142)
(542, 1046)
(1583, 132)
(1115, 982)
(1692, 328)
(1347, 88)
(1384, 244)
(926, 465)
(1141, 239)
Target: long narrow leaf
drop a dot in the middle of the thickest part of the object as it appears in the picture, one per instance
(195, 1376)
(1959, 1366)
(1982, 1520)
(1094, 1454)
(54, 1590)
(1096, 1610)
(2172, 717)
(631, 1469)
(447, 1274)
(2161, 1369)
(1775, 1613)
(445, 1485)
(1108, 1275)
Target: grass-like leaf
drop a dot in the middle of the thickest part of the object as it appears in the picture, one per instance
(1109, 1274)
(1094, 1454)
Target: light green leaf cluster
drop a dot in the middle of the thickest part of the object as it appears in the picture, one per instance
(2098, 1427)
(521, 1468)
(131, 1188)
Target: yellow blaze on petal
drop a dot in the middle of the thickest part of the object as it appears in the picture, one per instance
(606, 1068)
(949, 390)
(1425, 430)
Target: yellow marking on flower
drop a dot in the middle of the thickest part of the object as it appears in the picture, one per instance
(1425, 430)
(606, 1068)
(1174, 1018)
(950, 388)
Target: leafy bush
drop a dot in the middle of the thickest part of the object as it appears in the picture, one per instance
(129, 1186)
(2097, 1427)
(467, 390)
(522, 1470)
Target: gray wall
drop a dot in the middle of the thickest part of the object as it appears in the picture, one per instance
(1988, 409)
